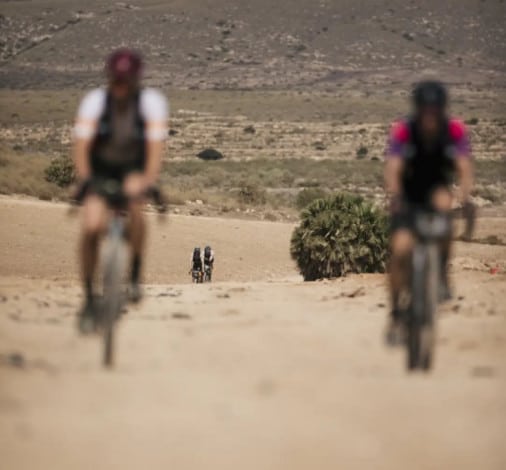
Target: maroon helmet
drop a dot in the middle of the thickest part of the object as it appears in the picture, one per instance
(124, 65)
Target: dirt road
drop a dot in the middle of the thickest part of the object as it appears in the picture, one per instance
(257, 371)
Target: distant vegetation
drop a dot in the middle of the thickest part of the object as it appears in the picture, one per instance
(277, 186)
(60, 171)
(472, 122)
(308, 195)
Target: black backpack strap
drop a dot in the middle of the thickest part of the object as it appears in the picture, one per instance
(413, 130)
(140, 123)
(447, 139)
(107, 114)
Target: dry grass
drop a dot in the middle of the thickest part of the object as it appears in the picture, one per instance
(223, 184)
(24, 174)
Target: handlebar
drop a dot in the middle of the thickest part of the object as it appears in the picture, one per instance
(113, 192)
(159, 198)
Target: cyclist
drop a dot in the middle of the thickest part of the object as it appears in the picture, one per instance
(208, 258)
(196, 262)
(424, 153)
(119, 134)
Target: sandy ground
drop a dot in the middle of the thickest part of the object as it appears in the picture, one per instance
(256, 371)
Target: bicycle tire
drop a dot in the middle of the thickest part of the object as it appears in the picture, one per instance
(431, 303)
(417, 308)
(413, 346)
(420, 330)
(112, 291)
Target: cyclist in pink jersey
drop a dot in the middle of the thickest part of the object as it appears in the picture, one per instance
(424, 154)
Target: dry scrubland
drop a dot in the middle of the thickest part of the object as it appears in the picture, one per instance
(267, 160)
(293, 97)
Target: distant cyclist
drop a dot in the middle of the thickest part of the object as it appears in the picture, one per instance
(208, 262)
(425, 152)
(119, 135)
(196, 267)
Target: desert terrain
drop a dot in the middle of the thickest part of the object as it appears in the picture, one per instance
(257, 370)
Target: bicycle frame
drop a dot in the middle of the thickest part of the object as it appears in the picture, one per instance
(114, 266)
(430, 229)
(114, 256)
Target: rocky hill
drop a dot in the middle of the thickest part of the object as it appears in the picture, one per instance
(238, 44)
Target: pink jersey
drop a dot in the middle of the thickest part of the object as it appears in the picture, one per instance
(400, 136)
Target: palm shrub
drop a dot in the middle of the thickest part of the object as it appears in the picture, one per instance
(338, 235)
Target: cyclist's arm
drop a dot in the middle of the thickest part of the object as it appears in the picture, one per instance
(465, 170)
(85, 129)
(81, 151)
(155, 110)
(464, 161)
(394, 161)
(392, 176)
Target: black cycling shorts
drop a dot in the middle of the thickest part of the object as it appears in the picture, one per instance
(104, 170)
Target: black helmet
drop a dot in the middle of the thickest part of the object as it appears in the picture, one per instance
(430, 93)
(207, 249)
(196, 249)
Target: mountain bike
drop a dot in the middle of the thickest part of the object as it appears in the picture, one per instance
(208, 273)
(430, 229)
(197, 276)
(114, 258)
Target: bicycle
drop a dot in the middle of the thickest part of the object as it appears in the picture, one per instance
(115, 257)
(197, 276)
(208, 273)
(430, 229)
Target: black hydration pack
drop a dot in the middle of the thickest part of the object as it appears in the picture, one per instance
(135, 142)
(428, 164)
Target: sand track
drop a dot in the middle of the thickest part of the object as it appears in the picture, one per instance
(256, 371)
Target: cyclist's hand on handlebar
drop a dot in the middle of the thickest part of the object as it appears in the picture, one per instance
(159, 199)
(79, 190)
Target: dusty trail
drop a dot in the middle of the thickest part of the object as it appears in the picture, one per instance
(265, 374)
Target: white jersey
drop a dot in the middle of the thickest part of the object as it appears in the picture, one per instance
(154, 109)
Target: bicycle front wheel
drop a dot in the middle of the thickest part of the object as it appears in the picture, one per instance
(114, 265)
(420, 328)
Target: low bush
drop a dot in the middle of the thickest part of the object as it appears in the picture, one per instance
(60, 171)
(251, 194)
(362, 152)
(308, 195)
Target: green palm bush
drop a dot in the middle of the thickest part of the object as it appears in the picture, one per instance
(338, 235)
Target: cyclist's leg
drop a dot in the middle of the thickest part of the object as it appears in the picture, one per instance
(441, 200)
(137, 236)
(94, 220)
(402, 243)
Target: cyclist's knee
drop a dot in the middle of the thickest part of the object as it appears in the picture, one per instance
(94, 216)
(402, 243)
(442, 199)
(136, 212)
